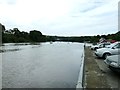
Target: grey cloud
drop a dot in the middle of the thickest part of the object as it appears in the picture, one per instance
(90, 6)
(91, 18)
(9, 2)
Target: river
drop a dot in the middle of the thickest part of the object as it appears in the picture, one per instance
(41, 65)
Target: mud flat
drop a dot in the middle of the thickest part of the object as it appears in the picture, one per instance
(97, 75)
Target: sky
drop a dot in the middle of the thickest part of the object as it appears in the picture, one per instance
(61, 17)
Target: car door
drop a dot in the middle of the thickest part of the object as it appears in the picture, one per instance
(101, 46)
(119, 60)
(116, 49)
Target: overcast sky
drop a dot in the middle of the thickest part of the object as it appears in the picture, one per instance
(61, 17)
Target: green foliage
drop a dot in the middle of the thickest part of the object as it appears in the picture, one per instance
(115, 36)
(16, 36)
(36, 36)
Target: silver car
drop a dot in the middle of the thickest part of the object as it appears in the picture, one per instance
(113, 62)
(101, 45)
(113, 49)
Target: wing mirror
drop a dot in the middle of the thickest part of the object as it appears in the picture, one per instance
(113, 47)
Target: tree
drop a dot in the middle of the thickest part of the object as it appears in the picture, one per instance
(35, 35)
(16, 31)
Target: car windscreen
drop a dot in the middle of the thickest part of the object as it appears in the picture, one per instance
(112, 45)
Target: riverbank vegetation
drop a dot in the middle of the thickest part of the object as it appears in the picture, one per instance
(16, 36)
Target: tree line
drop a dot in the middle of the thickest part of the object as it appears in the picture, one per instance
(16, 36)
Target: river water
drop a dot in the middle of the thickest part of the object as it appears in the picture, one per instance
(41, 65)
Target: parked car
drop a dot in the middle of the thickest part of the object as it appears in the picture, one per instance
(113, 49)
(113, 62)
(101, 45)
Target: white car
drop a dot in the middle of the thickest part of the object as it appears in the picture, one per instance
(113, 62)
(101, 45)
(113, 49)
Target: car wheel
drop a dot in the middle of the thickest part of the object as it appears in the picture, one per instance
(95, 48)
(116, 70)
(105, 55)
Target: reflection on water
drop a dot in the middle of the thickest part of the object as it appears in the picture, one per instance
(7, 50)
(43, 65)
(7, 47)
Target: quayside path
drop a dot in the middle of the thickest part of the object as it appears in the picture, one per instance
(97, 75)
